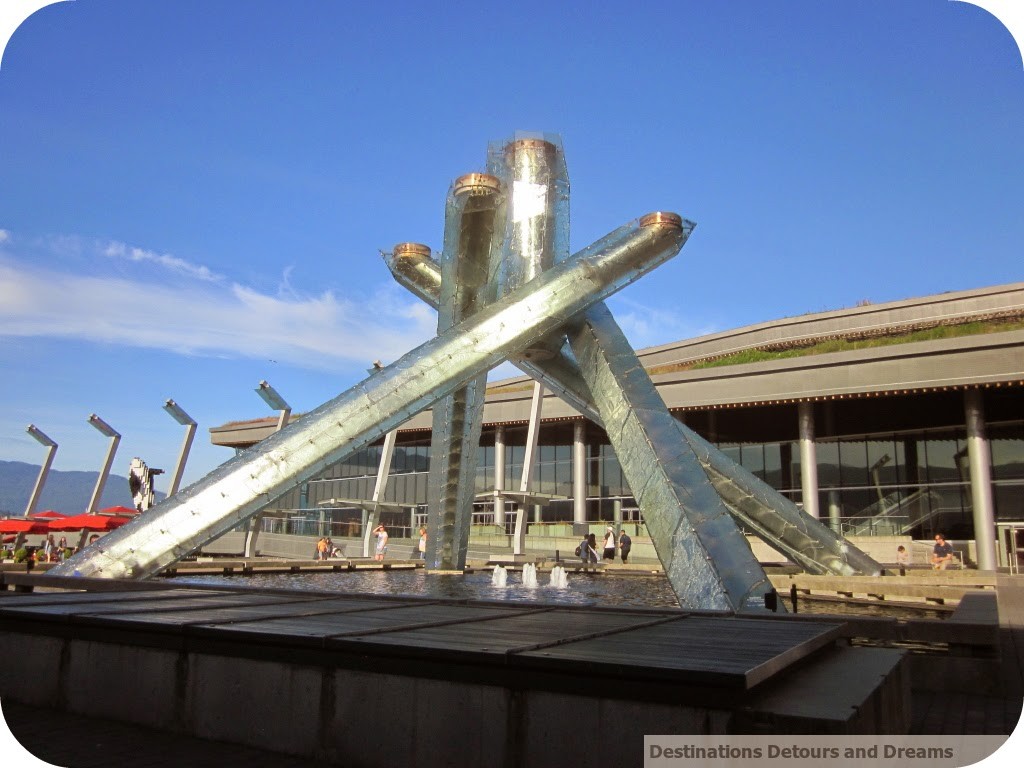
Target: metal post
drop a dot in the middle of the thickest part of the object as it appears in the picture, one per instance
(190, 425)
(981, 480)
(579, 471)
(808, 459)
(273, 398)
(379, 487)
(115, 438)
(834, 521)
(381, 484)
(529, 459)
(51, 451)
(276, 402)
(499, 476)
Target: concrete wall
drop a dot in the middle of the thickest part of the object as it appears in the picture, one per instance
(351, 716)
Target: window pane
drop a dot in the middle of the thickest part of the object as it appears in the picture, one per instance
(773, 465)
(828, 464)
(942, 461)
(853, 463)
(752, 457)
(1007, 453)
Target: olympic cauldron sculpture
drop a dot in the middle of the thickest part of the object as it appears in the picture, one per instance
(506, 288)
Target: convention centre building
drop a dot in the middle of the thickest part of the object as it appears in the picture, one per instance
(904, 418)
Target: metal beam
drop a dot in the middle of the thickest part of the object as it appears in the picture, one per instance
(754, 503)
(706, 558)
(179, 415)
(51, 450)
(243, 485)
(101, 479)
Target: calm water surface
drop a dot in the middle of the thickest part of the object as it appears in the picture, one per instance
(637, 591)
(652, 591)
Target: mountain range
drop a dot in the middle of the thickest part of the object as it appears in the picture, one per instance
(67, 492)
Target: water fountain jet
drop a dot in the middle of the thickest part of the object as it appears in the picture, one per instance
(499, 576)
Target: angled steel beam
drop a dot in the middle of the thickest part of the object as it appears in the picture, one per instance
(754, 503)
(707, 559)
(239, 488)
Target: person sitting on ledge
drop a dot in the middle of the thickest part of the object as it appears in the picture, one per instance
(942, 553)
(902, 559)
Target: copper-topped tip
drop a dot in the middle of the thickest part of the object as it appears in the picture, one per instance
(530, 146)
(662, 218)
(476, 184)
(411, 249)
(531, 143)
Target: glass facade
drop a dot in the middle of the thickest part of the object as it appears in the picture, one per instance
(912, 483)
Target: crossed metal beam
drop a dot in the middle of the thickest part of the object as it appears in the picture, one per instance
(506, 288)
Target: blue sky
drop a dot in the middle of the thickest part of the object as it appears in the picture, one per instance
(194, 194)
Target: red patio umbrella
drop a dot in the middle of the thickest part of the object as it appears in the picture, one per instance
(23, 526)
(48, 514)
(120, 511)
(87, 522)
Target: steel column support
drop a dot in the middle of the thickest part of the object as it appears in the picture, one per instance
(499, 476)
(529, 462)
(808, 459)
(579, 471)
(980, 460)
(380, 485)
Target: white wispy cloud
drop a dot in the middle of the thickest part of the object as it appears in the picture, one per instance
(648, 326)
(172, 263)
(208, 315)
(4, 235)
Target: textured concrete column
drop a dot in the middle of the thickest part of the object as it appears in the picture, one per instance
(979, 457)
(808, 459)
(579, 471)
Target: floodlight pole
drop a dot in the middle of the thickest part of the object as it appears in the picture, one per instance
(190, 425)
(51, 451)
(272, 398)
(115, 438)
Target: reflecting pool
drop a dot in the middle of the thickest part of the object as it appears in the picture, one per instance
(582, 589)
